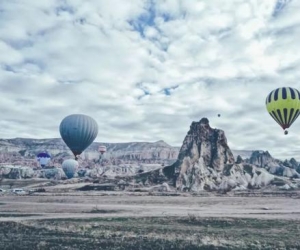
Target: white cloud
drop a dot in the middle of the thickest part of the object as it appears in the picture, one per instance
(146, 69)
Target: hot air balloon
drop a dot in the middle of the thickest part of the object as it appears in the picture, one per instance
(219, 115)
(102, 149)
(70, 167)
(283, 104)
(43, 158)
(78, 132)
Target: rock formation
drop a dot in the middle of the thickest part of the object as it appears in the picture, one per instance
(205, 162)
(262, 159)
(265, 160)
(23, 152)
(15, 172)
(204, 152)
(19, 172)
(239, 159)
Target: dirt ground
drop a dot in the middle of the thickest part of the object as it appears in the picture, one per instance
(74, 205)
(124, 220)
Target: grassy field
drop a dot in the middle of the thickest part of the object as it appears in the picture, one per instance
(159, 233)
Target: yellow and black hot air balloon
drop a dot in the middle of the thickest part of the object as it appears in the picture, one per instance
(283, 104)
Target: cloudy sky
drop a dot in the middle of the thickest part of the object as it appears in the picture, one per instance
(145, 69)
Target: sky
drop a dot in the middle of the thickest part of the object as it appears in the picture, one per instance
(145, 69)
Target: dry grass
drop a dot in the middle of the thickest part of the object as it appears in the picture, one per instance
(151, 233)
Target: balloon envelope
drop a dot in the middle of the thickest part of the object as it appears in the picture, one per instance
(283, 104)
(70, 167)
(78, 132)
(43, 158)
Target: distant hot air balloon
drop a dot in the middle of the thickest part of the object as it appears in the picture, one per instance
(78, 132)
(43, 158)
(102, 149)
(219, 115)
(70, 167)
(283, 104)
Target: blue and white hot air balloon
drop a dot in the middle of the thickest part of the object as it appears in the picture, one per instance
(70, 167)
(78, 132)
(43, 158)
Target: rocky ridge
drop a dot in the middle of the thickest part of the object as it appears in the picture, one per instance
(23, 152)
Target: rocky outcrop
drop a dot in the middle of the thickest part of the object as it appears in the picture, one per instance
(203, 142)
(16, 172)
(292, 163)
(239, 159)
(54, 173)
(205, 162)
(262, 159)
(243, 176)
(265, 160)
(204, 153)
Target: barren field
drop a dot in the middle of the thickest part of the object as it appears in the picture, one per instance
(123, 220)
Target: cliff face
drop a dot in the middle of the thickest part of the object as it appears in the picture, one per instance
(204, 150)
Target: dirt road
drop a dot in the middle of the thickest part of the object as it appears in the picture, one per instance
(126, 205)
